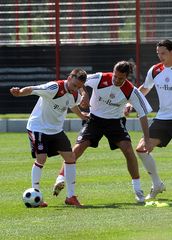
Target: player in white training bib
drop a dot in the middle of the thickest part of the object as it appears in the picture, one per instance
(45, 126)
(110, 92)
(160, 76)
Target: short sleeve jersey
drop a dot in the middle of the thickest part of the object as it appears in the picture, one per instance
(51, 108)
(161, 77)
(108, 101)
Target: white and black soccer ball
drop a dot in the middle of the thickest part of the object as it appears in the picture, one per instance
(32, 197)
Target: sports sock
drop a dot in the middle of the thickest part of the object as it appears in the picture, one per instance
(150, 166)
(70, 175)
(36, 174)
(62, 171)
(60, 178)
(136, 184)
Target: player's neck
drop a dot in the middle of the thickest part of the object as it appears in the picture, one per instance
(168, 65)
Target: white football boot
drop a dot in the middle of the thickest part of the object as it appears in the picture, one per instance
(155, 190)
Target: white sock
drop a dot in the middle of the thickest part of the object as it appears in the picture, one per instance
(70, 175)
(60, 178)
(36, 175)
(150, 166)
(136, 184)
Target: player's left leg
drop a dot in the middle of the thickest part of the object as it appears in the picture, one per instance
(150, 166)
(37, 172)
(78, 150)
(133, 169)
(70, 177)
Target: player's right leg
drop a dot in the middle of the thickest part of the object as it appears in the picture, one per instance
(38, 148)
(89, 131)
(150, 166)
(78, 150)
(133, 169)
(70, 177)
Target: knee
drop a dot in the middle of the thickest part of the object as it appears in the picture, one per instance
(41, 159)
(78, 150)
(140, 147)
(128, 149)
(71, 158)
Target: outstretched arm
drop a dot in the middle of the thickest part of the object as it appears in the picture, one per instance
(21, 92)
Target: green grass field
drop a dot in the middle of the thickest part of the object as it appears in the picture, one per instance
(103, 185)
(69, 115)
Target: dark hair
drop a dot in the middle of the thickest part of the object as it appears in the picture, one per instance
(80, 74)
(165, 43)
(124, 67)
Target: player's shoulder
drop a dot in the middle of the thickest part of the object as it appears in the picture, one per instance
(61, 88)
(106, 80)
(156, 69)
(75, 96)
(59, 82)
(127, 88)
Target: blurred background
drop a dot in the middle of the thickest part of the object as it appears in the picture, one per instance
(43, 40)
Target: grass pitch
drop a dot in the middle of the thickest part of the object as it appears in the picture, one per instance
(103, 185)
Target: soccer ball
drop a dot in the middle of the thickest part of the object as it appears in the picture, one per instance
(32, 197)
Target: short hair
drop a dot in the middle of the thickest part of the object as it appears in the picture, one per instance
(165, 43)
(79, 74)
(124, 67)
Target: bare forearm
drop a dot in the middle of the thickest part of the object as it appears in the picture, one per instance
(85, 98)
(21, 92)
(82, 115)
(145, 128)
(77, 111)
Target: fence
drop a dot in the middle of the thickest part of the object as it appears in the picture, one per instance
(42, 39)
(27, 23)
(83, 22)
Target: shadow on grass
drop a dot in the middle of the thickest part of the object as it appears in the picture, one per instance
(113, 205)
(103, 206)
(121, 205)
(165, 200)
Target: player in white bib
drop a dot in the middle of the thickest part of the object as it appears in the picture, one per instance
(160, 76)
(110, 92)
(45, 126)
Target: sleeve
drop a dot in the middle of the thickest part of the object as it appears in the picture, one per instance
(93, 79)
(48, 90)
(149, 82)
(140, 103)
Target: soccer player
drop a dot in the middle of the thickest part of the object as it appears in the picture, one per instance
(45, 126)
(111, 91)
(160, 76)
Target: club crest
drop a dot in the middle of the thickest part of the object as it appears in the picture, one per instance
(112, 95)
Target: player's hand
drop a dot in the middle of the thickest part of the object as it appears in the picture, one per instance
(145, 145)
(85, 116)
(15, 91)
(128, 109)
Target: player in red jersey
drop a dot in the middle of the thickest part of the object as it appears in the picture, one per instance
(111, 91)
(45, 126)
